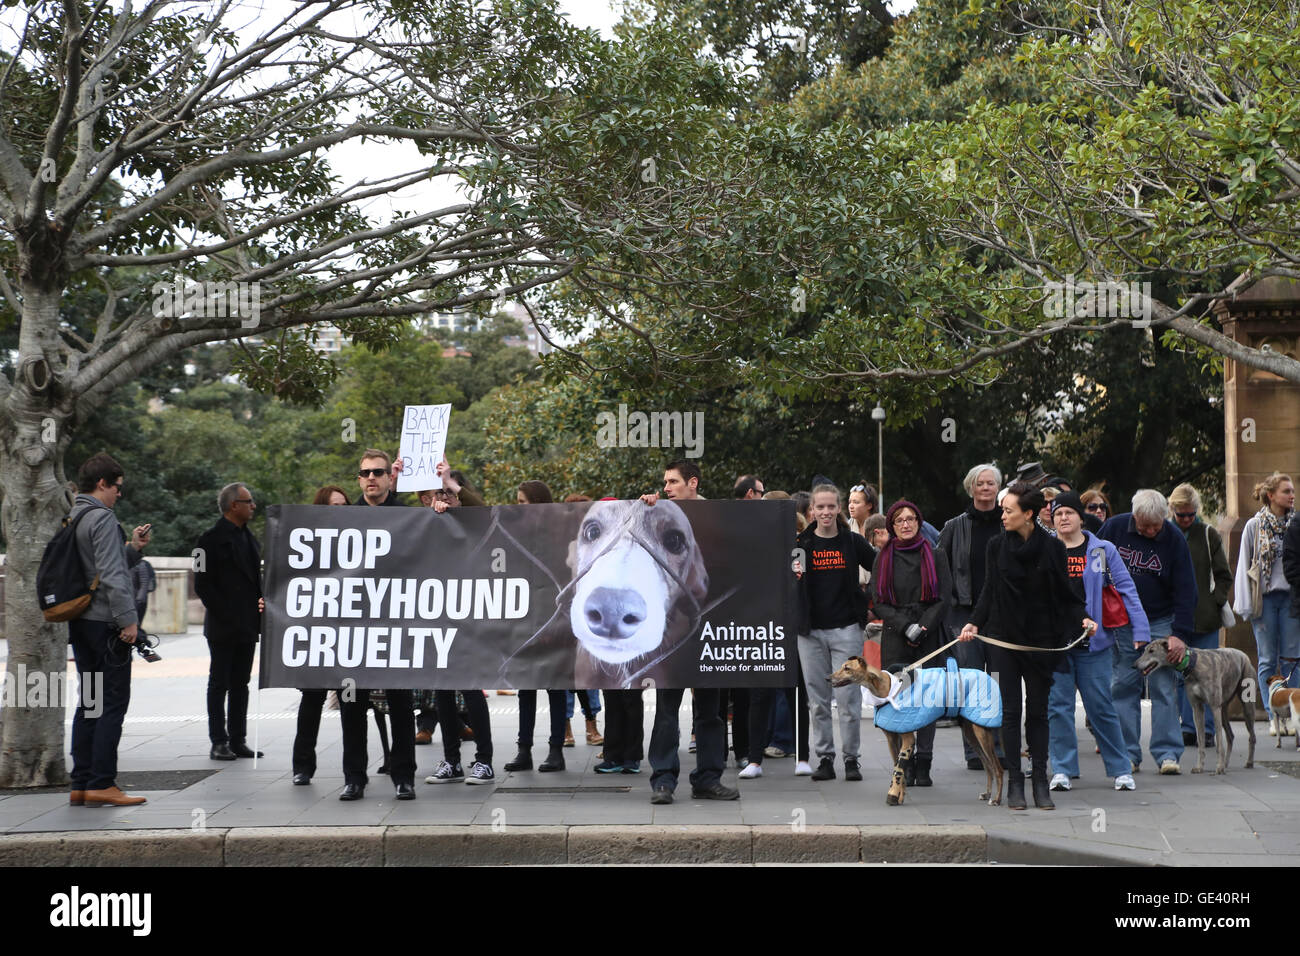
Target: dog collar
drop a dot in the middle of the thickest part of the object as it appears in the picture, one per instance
(1188, 662)
(894, 687)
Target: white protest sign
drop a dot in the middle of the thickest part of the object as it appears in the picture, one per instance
(424, 439)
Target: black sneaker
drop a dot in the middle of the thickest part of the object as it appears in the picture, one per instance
(717, 791)
(825, 770)
(851, 771)
(446, 773)
(661, 795)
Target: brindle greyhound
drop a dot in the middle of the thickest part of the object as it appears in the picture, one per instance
(1212, 678)
(902, 745)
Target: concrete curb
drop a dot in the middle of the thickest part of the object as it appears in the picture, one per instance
(114, 848)
(1008, 846)
(484, 845)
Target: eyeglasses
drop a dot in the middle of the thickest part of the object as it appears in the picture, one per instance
(1184, 514)
(372, 472)
(904, 520)
(1094, 506)
(243, 501)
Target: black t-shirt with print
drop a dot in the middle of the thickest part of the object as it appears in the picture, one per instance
(831, 605)
(1076, 560)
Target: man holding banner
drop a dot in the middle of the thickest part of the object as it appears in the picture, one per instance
(682, 483)
(375, 478)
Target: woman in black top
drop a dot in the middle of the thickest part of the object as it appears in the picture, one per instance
(1026, 599)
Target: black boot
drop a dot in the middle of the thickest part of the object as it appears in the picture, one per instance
(523, 760)
(1015, 790)
(909, 771)
(554, 761)
(1042, 793)
(923, 770)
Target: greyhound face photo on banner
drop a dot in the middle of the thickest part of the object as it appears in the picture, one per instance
(632, 563)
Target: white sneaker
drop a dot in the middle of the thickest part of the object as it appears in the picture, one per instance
(802, 769)
(1060, 782)
(1125, 782)
(751, 771)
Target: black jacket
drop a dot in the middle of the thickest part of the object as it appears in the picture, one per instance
(1291, 562)
(910, 609)
(230, 583)
(866, 556)
(1046, 614)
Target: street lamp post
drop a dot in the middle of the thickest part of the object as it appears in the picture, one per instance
(878, 415)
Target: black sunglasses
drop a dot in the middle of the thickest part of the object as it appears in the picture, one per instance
(371, 472)
(1184, 514)
(1094, 506)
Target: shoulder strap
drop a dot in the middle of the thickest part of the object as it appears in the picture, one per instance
(1100, 551)
(77, 520)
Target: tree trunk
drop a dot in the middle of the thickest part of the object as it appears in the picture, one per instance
(33, 434)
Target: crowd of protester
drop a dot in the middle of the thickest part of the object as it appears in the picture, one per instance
(1071, 590)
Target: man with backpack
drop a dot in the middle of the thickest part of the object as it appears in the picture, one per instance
(102, 636)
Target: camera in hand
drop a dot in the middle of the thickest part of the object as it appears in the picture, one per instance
(914, 634)
(145, 644)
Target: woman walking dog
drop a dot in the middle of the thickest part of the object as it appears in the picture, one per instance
(1026, 600)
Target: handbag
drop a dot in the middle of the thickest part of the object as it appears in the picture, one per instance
(1113, 611)
(1226, 617)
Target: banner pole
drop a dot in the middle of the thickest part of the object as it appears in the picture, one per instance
(257, 726)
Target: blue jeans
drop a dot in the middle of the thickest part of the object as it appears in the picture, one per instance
(781, 725)
(1126, 691)
(1089, 672)
(1202, 642)
(104, 675)
(1277, 640)
(591, 704)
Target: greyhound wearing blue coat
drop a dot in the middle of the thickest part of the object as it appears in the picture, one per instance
(971, 696)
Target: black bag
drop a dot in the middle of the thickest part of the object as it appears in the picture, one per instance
(61, 578)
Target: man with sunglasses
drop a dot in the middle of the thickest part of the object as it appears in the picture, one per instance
(228, 580)
(375, 477)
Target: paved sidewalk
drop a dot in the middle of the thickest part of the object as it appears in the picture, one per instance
(1247, 817)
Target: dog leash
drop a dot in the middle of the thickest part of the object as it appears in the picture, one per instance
(993, 640)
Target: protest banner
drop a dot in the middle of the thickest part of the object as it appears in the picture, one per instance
(424, 440)
(609, 594)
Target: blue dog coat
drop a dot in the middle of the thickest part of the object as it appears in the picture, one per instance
(934, 693)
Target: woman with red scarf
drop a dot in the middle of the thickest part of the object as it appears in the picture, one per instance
(911, 583)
